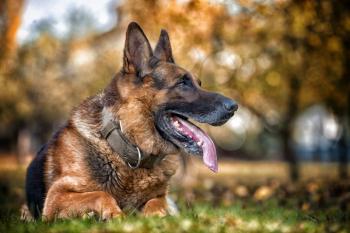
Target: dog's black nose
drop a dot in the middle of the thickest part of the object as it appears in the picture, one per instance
(230, 105)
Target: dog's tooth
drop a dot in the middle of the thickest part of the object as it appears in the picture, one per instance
(176, 124)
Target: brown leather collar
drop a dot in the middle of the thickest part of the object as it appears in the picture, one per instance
(130, 153)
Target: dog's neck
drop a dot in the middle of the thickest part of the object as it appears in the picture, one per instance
(112, 132)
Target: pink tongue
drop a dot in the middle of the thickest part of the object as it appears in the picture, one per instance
(208, 147)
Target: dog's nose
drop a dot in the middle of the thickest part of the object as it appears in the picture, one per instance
(230, 105)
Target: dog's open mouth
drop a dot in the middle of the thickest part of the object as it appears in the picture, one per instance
(189, 137)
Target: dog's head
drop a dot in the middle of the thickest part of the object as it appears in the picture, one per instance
(157, 97)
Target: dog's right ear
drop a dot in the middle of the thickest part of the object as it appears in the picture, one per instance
(163, 50)
(137, 51)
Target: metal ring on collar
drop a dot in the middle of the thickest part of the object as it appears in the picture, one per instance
(121, 127)
(138, 160)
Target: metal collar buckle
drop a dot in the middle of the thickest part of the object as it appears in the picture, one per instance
(138, 160)
(138, 151)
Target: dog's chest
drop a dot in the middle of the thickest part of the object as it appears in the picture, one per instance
(141, 185)
(131, 187)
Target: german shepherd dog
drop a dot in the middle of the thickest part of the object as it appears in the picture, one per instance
(119, 148)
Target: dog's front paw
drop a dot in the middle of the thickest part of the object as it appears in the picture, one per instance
(25, 214)
(155, 207)
(105, 215)
(110, 214)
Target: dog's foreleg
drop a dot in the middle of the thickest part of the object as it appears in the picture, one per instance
(156, 207)
(64, 202)
(25, 214)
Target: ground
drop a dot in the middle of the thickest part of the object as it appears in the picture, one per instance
(244, 197)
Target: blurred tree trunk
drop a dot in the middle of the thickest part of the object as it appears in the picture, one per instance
(289, 155)
(341, 11)
(287, 128)
(10, 19)
(344, 115)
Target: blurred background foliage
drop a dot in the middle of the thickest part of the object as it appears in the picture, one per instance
(285, 62)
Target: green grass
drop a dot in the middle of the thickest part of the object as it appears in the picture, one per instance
(240, 217)
(313, 206)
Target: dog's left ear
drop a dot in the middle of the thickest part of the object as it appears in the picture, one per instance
(163, 50)
(137, 51)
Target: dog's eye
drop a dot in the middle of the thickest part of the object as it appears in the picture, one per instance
(185, 81)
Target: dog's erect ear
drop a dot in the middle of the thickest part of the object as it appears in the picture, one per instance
(137, 50)
(163, 49)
